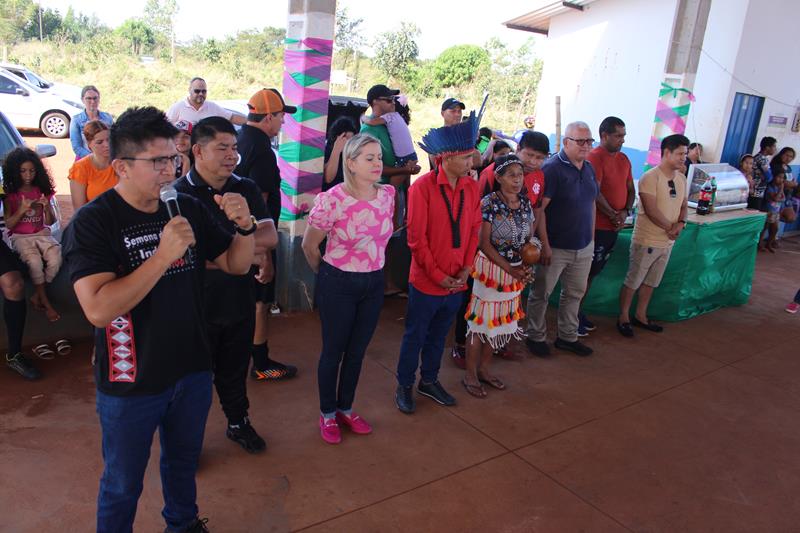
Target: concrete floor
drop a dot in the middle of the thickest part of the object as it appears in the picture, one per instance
(691, 430)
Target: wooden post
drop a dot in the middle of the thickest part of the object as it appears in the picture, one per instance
(558, 124)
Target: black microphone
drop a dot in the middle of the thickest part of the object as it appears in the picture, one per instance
(169, 196)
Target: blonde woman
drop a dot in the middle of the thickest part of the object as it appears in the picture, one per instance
(356, 218)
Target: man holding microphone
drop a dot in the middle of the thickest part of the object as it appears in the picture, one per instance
(138, 275)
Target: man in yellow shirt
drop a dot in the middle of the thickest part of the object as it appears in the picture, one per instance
(660, 220)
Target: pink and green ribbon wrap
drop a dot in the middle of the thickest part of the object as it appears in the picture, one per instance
(306, 77)
(672, 108)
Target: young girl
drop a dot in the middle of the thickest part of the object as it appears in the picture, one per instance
(498, 272)
(396, 124)
(746, 166)
(775, 198)
(28, 212)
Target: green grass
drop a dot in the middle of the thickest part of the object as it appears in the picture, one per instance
(124, 81)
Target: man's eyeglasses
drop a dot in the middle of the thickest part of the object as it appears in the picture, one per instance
(200, 91)
(159, 163)
(91, 98)
(581, 142)
(388, 99)
(672, 192)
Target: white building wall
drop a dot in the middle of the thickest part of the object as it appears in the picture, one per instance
(607, 60)
(768, 65)
(708, 116)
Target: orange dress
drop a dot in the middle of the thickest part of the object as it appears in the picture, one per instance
(96, 181)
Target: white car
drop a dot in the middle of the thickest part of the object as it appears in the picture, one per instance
(64, 90)
(29, 107)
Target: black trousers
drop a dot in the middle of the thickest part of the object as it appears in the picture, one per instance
(231, 342)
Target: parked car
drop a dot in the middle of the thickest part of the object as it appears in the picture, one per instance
(29, 107)
(64, 90)
(10, 139)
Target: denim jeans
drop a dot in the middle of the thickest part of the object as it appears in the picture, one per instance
(128, 424)
(349, 307)
(428, 319)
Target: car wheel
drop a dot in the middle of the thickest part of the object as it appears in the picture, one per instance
(55, 125)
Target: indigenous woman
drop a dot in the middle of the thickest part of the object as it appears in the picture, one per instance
(499, 275)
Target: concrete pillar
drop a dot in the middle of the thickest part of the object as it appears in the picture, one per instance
(675, 96)
(306, 79)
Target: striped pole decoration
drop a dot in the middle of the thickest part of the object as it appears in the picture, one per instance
(306, 79)
(672, 108)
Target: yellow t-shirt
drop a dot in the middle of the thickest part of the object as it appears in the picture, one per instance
(655, 183)
(96, 181)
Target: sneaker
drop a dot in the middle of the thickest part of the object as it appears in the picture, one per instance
(538, 348)
(404, 399)
(436, 392)
(576, 347)
(198, 526)
(459, 355)
(275, 372)
(329, 430)
(246, 436)
(582, 331)
(793, 307)
(584, 321)
(19, 364)
(274, 309)
(356, 424)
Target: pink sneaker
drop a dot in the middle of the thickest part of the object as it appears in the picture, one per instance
(356, 424)
(793, 308)
(329, 430)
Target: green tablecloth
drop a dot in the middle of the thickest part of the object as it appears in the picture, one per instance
(711, 266)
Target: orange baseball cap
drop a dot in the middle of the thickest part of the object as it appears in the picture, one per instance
(269, 101)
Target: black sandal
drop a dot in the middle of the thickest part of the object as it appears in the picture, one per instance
(649, 326)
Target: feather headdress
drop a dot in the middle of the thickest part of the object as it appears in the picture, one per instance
(452, 140)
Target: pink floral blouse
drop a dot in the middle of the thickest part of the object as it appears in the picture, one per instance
(358, 230)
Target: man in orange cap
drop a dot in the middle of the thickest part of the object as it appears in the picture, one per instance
(258, 162)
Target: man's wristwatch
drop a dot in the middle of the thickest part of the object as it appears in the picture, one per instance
(252, 229)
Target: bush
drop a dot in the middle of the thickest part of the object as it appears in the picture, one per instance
(460, 64)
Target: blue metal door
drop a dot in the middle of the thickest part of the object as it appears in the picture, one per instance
(742, 128)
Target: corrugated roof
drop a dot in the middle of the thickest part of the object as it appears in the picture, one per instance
(538, 20)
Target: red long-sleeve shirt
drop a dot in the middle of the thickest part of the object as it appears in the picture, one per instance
(430, 235)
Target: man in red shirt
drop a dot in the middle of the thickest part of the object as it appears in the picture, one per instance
(443, 221)
(612, 169)
(532, 150)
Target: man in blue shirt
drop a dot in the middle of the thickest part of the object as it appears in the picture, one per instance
(566, 229)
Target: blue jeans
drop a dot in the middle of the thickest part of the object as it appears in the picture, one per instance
(349, 307)
(128, 424)
(428, 319)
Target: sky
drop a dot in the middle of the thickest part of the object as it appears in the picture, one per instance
(443, 22)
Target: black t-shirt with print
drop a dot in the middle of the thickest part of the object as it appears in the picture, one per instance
(228, 297)
(163, 338)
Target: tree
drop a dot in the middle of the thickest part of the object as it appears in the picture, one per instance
(460, 64)
(14, 17)
(162, 14)
(349, 39)
(78, 28)
(50, 24)
(138, 34)
(395, 51)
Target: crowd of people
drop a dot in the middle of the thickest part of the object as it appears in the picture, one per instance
(182, 207)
